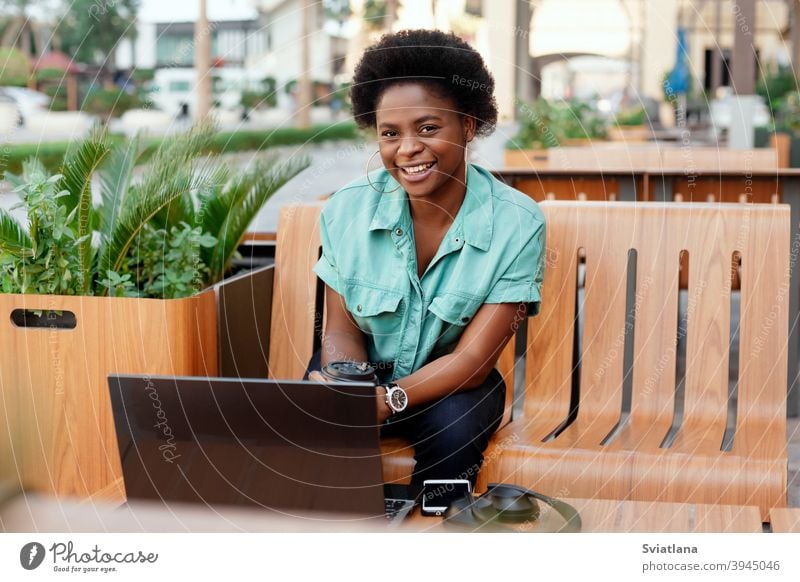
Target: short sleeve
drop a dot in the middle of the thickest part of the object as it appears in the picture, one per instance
(326, 265)
(522, 281)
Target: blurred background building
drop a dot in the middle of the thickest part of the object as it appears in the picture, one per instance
(278, 60)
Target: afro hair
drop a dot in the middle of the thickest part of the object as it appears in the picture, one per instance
(440, 60)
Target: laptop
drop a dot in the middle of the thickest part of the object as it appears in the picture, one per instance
(283, 445)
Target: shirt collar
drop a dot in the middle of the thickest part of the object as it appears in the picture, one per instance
(475, 214)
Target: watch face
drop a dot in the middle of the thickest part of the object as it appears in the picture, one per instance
(398, 399)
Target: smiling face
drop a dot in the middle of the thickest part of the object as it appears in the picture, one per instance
(422, 139)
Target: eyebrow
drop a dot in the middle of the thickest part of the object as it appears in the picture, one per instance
(417, 121)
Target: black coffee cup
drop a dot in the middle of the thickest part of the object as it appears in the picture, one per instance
(349, 372)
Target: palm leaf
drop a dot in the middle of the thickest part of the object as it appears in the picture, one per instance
(115, 180)
(182, 210)
(229, 218)
(77, 172)
(13, 238)
(174, 173)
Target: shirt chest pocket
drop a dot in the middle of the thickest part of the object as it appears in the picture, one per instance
(378, 312)
(453, 312)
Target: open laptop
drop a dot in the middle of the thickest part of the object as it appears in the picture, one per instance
(283, 445)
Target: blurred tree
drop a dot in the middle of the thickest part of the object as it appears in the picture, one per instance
(14, 67)
(337, 11)
(375, 14)
(19, 29)
(90, 30)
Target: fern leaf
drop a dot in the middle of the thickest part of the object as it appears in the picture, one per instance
(13, 238)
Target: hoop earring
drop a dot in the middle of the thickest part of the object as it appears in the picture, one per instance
(466, 163)
(366, 171)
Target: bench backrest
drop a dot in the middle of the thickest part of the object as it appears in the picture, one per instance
(604, 235)
(295, 309)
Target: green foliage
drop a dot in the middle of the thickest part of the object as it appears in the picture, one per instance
(253, 100)
(545, 125)
(630, 117)
(169, 264)
(51, 154)
(91, 30)
(146, 237)
(143, 75)
(787, 116)
(14, 67)
(51, 74)
(775, 86)
(110, 102)
(58, 96)
(375, 14)
(45, 259)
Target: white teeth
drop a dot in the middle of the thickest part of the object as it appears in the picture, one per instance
(418, 169)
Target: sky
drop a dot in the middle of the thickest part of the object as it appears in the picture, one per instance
(187, 10)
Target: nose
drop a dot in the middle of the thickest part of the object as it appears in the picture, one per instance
(409, 146)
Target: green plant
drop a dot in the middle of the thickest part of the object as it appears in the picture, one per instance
(46, 258)
(51, 74)
(787, 116)
(167, 235)
(631, 116)
(544, 125)
(577, 120)
(58, 97)
(51, 154)
(14, 67)
(775, 86)
(110, 102)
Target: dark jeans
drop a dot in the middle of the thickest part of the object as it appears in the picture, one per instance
(449, 435)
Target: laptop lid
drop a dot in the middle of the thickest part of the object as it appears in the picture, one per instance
(275, 444)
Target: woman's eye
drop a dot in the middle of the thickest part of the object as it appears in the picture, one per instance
(428, 128)
(388, 133)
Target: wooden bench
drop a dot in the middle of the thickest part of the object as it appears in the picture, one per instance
(582, 432)
(603, 425)
(785, 520)
(298, 312)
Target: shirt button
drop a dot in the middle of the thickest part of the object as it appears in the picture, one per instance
(399, 232)
(358, 307)
(458, 240)
(465, 319)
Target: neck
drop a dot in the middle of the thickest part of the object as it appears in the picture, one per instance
(440, 208)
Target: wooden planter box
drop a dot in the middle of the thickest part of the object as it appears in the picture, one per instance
(55, 406)
(627, 133)
(536, 159)
(56, 427)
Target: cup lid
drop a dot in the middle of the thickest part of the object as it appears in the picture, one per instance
(350, 371)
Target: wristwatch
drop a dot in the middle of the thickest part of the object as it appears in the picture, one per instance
(396, 398)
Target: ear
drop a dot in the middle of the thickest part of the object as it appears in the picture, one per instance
(469, 124)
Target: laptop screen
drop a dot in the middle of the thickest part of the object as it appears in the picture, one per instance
(274, 444)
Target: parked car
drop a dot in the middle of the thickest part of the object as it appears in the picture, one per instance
(28, 101)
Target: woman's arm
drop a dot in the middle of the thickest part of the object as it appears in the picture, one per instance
(343, 339)
(474, 357)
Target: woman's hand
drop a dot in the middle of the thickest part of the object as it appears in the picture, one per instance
(384, 411)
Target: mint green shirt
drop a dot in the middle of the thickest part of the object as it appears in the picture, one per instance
(493, 253)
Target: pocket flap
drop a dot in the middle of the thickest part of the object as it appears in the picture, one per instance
(367, 301)
(454, 309)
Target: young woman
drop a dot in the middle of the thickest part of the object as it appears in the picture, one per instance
(430, 263)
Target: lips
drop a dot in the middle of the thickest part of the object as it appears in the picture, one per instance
(418, 172)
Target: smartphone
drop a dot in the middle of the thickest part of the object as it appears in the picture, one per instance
(438, 494)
